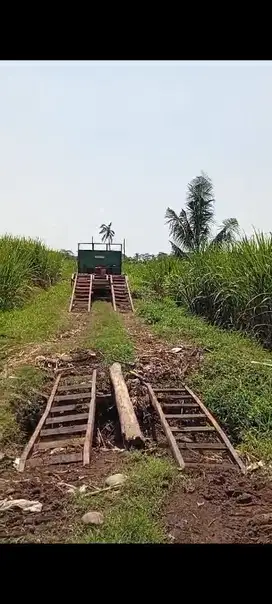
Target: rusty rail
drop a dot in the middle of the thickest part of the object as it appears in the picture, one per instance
(121, 293)
(28, 448)
(166, 428)
(90, 425)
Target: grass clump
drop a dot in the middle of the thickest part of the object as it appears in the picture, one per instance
(132, 515)
(238, 392)
(18, 413)
(150, 278)
(106, 333)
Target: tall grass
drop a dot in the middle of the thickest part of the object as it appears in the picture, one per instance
(24, 265)
(152, 277)
(230, 287)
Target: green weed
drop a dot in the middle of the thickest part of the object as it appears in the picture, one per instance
(45, 314)
(41, 318)
(105, 332)
(18, 413)
(132, 515)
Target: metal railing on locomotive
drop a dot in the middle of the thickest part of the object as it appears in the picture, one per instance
(91, 256)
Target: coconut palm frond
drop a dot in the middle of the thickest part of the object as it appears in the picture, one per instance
(176, 251)
(191, 228)
(200, 208)
(229, 229)
(180, 228)
(107, 232)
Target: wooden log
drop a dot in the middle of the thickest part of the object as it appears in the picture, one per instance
(64, 430)
(130, 428)
(62, 419)
(56, 459)
(55, 444)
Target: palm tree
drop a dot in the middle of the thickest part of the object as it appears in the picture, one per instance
(191, 229)
(107, 233)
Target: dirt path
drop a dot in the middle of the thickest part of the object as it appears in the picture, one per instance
(27, 354)
(50, 486)
(156, 359)
(219, 507)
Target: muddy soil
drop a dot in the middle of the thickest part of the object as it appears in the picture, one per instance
(220, 507)
(57, 521)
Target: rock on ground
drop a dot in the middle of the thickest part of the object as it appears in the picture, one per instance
(115, 480)
(93, 518)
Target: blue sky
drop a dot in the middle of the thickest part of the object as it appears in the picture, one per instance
(83, 143)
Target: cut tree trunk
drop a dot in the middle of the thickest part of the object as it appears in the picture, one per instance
(130, 428)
